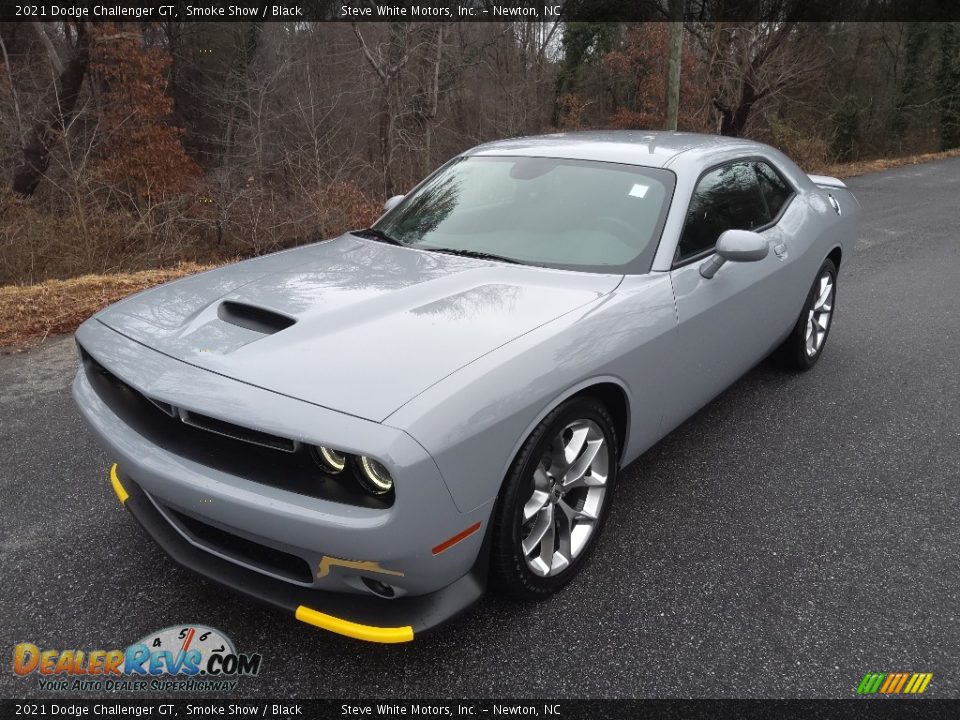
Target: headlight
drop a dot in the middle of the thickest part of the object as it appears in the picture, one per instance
(332, 461)
(373, 476)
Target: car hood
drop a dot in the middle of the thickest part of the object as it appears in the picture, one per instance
(351, 324)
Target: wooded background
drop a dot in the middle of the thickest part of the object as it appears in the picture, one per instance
(139, 145)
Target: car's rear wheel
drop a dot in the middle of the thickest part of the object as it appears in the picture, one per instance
(554, 501)
(803, 347)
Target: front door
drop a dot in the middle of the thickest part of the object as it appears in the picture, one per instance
(726, 324)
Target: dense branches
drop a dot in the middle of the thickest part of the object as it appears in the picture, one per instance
(55, 119)
(144, 143)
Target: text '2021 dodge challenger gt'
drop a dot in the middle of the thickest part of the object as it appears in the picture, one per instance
(367, 431)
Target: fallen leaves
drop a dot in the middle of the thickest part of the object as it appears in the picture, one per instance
(29, 313)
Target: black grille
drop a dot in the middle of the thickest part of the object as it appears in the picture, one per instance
(236, 432)
(166, 407)
(238, 548)
(238, 451)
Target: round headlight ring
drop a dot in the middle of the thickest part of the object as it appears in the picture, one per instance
(373, 476)
(332, 461)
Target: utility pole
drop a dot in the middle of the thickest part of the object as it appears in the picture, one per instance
(673, 69)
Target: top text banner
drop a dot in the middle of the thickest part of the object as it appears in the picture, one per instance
(476, 10)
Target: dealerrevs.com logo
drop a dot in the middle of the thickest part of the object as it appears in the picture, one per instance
(184, 658)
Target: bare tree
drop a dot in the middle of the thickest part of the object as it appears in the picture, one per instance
(44, 134)
(387, 61)
(751, 63)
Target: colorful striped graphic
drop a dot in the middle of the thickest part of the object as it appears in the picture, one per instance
(894, 683)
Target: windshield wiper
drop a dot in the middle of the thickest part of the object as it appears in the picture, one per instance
(474, 254)
(375, 234)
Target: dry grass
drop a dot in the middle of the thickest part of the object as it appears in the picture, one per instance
(29, 313)
(862, 167)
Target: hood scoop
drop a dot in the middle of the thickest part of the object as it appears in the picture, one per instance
(251, 317)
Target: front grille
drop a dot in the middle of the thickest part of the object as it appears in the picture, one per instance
(233, 449)
(236, 432)
(246, 551)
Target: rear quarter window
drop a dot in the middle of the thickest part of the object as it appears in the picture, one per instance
(776, 192)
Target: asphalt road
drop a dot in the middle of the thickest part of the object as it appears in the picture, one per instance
(798, 532)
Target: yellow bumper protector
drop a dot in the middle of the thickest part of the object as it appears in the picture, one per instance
(122, 494)
(370, 633)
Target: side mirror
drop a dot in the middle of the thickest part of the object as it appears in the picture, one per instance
(736, 246)
(392, 202)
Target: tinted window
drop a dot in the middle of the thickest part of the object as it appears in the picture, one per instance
(774, 189)
(727, 198)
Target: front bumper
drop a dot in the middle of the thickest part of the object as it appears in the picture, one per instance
(339, 552)
(364, 618)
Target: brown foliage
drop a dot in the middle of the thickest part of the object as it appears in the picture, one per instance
(807, 149)
(861, 167)
(215, 223)
(346, 207)
(571, 111)
(30, 313)
(142, 154)
(641, 63)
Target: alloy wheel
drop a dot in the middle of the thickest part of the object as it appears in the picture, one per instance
(818, 318)
(569, 486)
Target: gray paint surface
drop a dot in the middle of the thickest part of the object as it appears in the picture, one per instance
(796, 531)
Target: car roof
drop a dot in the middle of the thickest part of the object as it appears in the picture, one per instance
(632, 147)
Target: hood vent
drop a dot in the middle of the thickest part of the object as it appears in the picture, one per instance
(253, 318)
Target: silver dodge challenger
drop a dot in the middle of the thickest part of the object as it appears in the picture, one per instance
(367, 431)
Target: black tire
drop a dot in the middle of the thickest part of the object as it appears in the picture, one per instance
(509, 572)
(793, 354)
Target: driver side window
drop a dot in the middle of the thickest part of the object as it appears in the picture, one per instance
(726, 198)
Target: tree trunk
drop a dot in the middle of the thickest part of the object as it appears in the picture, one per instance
(431, 115)
(673, 69)
(43, 136)
(733, 121)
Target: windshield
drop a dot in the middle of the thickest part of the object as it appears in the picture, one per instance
(541, 211)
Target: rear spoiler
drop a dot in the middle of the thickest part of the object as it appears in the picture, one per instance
(825, 181)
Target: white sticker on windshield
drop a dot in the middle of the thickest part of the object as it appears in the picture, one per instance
(638, 190)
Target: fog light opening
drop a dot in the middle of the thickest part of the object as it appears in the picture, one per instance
(378, 588)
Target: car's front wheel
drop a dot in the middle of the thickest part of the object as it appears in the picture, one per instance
(554, 501)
